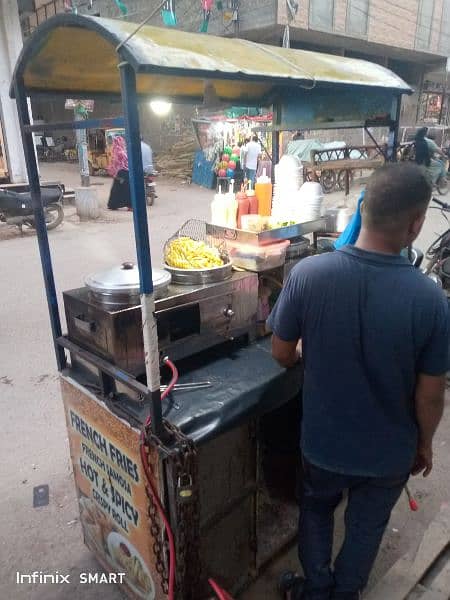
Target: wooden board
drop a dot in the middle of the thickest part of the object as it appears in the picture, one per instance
(405, 579)
(338, 165)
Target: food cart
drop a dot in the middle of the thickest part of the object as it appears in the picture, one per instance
(178, 485)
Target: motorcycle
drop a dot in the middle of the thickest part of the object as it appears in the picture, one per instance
(16, 208)
(438, 254)
(150, 188)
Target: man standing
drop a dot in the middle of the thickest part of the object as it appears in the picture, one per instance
(147, 158)
(374, 334)
(252, 151)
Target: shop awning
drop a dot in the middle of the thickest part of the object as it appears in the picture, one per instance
(79, 55)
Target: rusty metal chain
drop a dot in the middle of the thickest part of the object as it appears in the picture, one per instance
(188, 516)
(158, 542)
(184, 456)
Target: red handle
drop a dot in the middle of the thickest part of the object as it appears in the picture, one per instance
(413, 505)
(221, 594)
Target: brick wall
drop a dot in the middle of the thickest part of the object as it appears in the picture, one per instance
(390, 23)
(393, 23)
(436, 26)
(340, 16)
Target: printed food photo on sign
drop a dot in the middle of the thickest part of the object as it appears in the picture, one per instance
(126, 559)
(96, 525)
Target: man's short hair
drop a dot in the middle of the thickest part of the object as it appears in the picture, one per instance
(255, 138)
(394, 194)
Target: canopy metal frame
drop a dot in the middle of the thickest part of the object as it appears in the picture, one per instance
(130, 120)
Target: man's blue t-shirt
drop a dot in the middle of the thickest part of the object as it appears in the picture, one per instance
(369, 323)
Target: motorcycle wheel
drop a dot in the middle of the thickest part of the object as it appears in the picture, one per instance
(54, 215)
(150, 199)
(442, 186)
(341, 179)
(434, 249)
(328, 180)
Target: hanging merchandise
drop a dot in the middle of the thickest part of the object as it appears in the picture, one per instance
(292, 9)
(81, 109)
(286, 38)
(168, 14)
(206, 6)
(121, 6)
(69, 6)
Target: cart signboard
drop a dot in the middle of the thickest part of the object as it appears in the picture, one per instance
(110, 485)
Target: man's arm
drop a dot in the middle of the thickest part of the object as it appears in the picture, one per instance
(285, 353)
(434, 148)
(429, 405)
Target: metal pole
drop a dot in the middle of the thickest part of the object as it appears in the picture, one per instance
(394, 129)
(137, 189)
(275, 138)
(82, 150)
(39, 219)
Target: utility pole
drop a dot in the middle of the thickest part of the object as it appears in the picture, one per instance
(81, 109)
(86, 199)
(82, 151)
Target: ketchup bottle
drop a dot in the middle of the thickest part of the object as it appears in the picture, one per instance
(243, 206)
(252, 199)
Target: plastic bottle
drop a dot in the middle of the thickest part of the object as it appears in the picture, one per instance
(219, 212)
(253, 200)
(232, 207)
(263, 190)
(243, 206)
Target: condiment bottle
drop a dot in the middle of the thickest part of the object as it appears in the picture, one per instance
(219, 212)
(232, 206)
(253, 200)
(243, 206)
(263, 190)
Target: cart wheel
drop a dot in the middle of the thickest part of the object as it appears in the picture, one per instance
(341, 179)
(328, 180)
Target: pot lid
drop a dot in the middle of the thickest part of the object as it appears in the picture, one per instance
(124, 278)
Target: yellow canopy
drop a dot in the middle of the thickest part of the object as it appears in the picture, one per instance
(72, 55)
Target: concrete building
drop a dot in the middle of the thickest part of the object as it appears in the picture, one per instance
(412, 37)
(12, 160)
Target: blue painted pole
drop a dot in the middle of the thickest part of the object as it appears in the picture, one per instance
(39, 219)
(136, 172)
(138, 200)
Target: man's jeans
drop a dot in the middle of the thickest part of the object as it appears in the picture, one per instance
(370, 502)
(251, 175)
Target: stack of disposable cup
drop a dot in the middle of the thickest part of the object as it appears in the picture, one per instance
(287, 183)
(309, 202)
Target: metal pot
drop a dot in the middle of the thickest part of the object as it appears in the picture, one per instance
(200, 276)
(120, 285)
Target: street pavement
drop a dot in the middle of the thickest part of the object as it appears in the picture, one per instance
(33, 441)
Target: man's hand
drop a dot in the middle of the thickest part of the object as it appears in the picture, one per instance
(429, 401)
(423, 461)
(287, 354)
